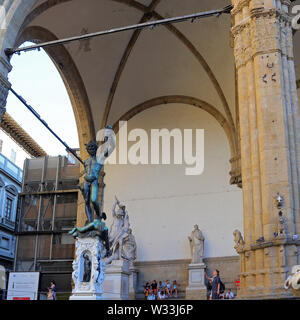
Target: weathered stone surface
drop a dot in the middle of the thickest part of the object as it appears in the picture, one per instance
(269, 130)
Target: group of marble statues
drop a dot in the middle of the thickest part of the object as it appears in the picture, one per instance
(118, 243)
(118, 240)
(121, 239)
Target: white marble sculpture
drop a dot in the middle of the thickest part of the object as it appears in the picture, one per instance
(118, 231)
(88, 269)
(293, 281)
(129, 247)
(197, 245)
(196, 286)
(120, 281)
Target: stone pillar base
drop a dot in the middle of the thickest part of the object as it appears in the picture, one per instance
(116, 283)
(132, 283)
(196, 289)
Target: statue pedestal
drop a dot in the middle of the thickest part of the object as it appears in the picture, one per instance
(132, 283)
(196, 289)
(94, 270)
(116, 283)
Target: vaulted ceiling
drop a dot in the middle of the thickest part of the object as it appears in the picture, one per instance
(120, 71)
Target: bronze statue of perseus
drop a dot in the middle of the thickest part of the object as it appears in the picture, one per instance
(92, 167)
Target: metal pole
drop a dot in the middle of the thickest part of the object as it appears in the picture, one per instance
(199, 15)
(45, 124)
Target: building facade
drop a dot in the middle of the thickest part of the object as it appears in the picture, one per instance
(47, 211)
(236, 77)
(10, 186)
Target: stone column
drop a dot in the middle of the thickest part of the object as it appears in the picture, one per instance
(270, 143)
(133, 282)
(5, 68)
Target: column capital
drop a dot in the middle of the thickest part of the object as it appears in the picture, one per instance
(262, 31)
(259, 5)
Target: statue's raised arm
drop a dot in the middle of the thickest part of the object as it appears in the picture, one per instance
(117, 203)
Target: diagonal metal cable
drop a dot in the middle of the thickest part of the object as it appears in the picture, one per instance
(20, 98)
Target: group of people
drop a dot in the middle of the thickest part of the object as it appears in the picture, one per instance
(216, 288)
(161, 290)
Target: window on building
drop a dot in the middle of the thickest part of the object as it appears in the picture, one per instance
(13, 156)
(8, 208)
(1, 145)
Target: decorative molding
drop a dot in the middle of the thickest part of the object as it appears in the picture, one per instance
(21, 137)
(12, 190)
(2, 183)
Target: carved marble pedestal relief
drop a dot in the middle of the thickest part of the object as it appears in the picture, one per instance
(88, 270)
(270, 149)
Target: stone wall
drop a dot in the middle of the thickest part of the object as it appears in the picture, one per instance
(177, 269)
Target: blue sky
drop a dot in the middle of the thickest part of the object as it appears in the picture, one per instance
(36, 79)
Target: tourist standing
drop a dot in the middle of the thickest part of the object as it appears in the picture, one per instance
(52, 291)
(215, 285)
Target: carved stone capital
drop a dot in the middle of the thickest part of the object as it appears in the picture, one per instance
(262, 31)
(236, 171)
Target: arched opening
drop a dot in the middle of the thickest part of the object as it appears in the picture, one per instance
(36, 79)
(72, 81)
(164, 204)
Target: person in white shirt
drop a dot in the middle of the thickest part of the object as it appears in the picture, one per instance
(229, 294)
(151, 295)
(161, 295)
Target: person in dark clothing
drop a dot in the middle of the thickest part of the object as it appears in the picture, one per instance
(208, 289)
(154, 287)
(215, 285)
(146, 290)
